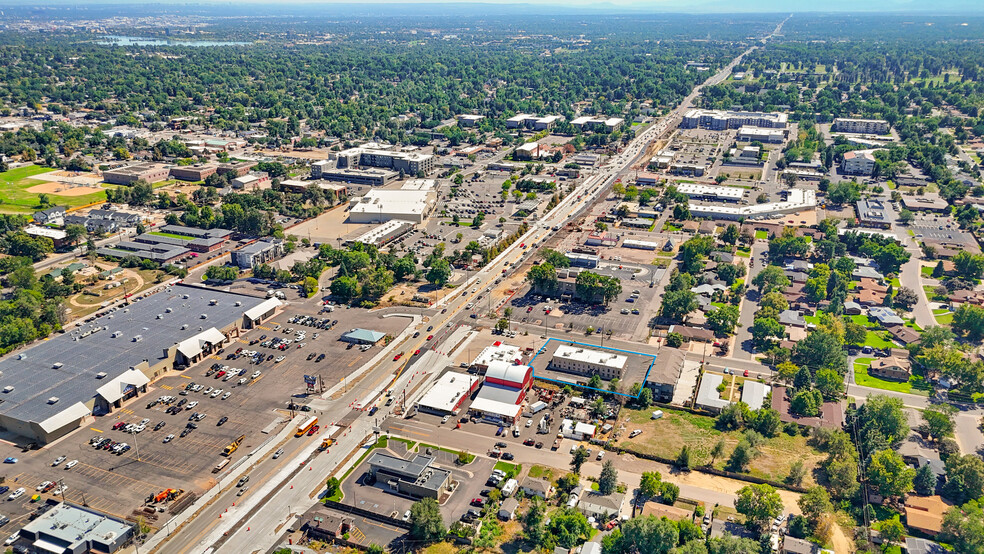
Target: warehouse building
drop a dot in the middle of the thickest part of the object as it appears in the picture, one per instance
(448, 394)
(497, 351)
(160, 253)
(380, 206)
(52, 387)
(71, 529)
(147, 172)
(251, 181)
(469, 120)
(720, 120)
(500, 400)
(585, 361)
(417, 477)
(384, 233)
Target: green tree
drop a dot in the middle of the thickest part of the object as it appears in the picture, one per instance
(855, 334)
(684, 459)
(968, 319)
(889, 473)
(608, 480)
(830, 384)
(771, 278)
(533, 521)
(924, 483)
(345, 288)
(439, 273)
(730, 544)
(426, 523)
(892, 530)
(568, 527)
(760, 504)
(649, 534)
(502, 325)
(580, 456)
(555, 258)
(964, 477)
(724, 319)
(938, 420)
(741, 456)
(820, 349)
(730, 234)
(649, 484)
(332, 487)
(718, 449)
(543, 277)
(311, 286)
(963, 528)
(814, 503)
(678, 303)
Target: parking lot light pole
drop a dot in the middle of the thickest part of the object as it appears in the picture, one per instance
(136, 448)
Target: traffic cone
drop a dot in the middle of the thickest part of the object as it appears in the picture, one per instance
(247, 528)
(220, 516)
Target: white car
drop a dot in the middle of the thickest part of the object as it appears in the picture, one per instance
(191, 405)
(42, 485)
(445, 419)
(243, 381)
(58, 461)
(529, 423)
(279, 359)
(216, 393)
(71, 464)
(168, 439)
(256, 374)
(139, 428)
(144, 422)
(226, 395)
(60, 490)
(12, 539)
(17, 494)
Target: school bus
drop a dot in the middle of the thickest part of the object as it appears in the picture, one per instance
(306, 426)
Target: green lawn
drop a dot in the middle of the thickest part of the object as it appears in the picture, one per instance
(943, 317)
(915, 384)
(671, 227)
(761, 235)
(930, 291)
(896, 285)
(171, 235)
(512, 470)
(16, 199)
(666, 436)
(743, 252)
(875, 340)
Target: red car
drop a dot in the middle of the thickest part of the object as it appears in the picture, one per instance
(416, 352)
(119, 425)
(530, 309)
(219, 374)
(529, 442)
(478, 502)
(398, 356)
(429, 337)
(313, 430)
(746, 373)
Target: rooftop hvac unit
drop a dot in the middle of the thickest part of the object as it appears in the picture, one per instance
(160, 316)
(22, 356)
(101, 375)
(8, 388)
(167, 310)
(57, 365)
(116, 334)
(213, 302)
(204, 316)
(238, 303)
(53, 400)
(185, 326)
(138, 338)
(185, 296)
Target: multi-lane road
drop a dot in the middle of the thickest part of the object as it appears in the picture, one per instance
(284, 488)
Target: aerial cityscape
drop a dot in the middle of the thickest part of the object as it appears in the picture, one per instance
(447, 278)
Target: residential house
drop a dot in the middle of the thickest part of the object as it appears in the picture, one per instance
(852, 308)
(602, 507)
(935, 464)
(903, 334)
(793, 318)
(507, 510)
(892, 367)
(863, 271)
(692, 333)
(925, 513)
(536, 487)
(885, 316)
(792, 545)
(322, 524)
(51, 216)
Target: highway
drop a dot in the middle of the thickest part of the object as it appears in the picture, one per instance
(284, 488)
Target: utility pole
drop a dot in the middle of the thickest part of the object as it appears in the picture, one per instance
(136, 448)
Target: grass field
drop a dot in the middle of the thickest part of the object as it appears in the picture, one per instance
(14, 197)
(927, 272)
(171, 235)
(671, 227)
(915, 384)
(666, 436)
(930, 291)
(943, 317)
(761, 235)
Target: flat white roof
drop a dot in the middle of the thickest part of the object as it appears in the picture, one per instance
(497, 352)
(753, 393)
(707, 394)
(53, 234)
(448, 391)
(586, 355)
(392, 202)
(798, 199)
(752, 130)
(377, 233)
(262, 308)
(498, 400)
(528, 147)
(507, 371)
(718, 191)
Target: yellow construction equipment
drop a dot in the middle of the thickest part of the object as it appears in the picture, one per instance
(233, 445)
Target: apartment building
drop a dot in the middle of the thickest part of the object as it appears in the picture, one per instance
(862, 126)
(720, 120)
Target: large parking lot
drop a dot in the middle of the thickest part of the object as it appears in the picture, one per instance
(119, 483)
